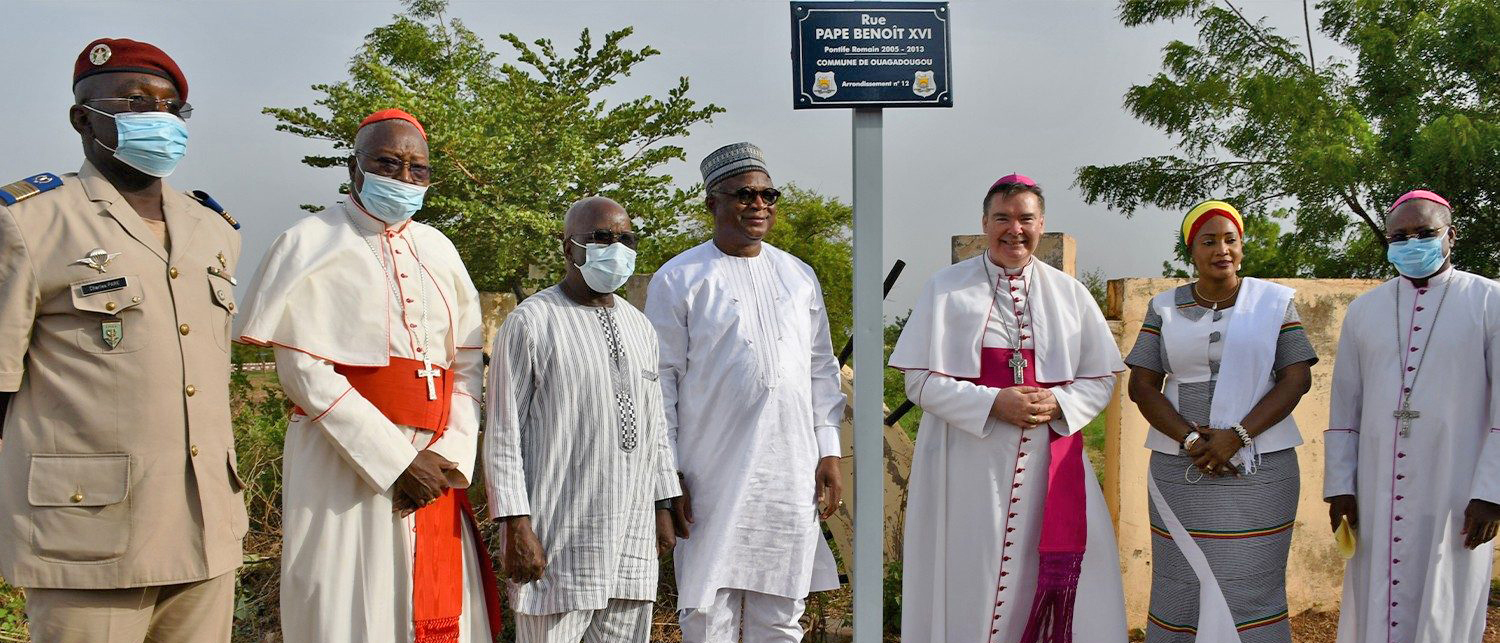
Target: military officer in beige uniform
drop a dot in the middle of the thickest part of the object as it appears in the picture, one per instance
(121, 511)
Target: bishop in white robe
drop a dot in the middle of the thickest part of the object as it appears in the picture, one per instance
(1413, 444)
(377, 332)
(753, 404)
(976, 564)
(576, 456)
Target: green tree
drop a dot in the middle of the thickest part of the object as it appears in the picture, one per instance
(811, 227)
(512, 143)
(1322, 145)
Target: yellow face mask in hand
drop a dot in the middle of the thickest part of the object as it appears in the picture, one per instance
(1345, 538)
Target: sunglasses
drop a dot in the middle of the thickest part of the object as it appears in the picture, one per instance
(746, 195)
(607, 237)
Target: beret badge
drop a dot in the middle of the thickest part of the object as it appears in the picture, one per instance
(100, 54)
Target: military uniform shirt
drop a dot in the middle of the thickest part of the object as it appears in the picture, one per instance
(118, 465)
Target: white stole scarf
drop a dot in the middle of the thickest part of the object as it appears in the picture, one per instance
(1244, 378)
(1249, 354)
(946, 329)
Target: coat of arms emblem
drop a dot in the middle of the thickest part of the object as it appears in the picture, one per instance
(924, 86)
(824, 85)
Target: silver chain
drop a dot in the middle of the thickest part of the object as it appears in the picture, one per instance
(1407, 390)
(1012, 337)
(390, 282)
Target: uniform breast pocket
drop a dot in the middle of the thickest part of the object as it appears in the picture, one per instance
(221, 291)
(110, 314)
(80, 509)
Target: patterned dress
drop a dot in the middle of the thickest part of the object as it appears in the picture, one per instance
(1243, 524)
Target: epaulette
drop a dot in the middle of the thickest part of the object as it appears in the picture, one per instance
(28, 187)
(210, 203)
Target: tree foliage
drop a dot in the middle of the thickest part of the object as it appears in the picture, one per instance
(1322, 145)
(512, 143)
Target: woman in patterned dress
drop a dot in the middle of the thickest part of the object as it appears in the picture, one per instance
(1224, 478)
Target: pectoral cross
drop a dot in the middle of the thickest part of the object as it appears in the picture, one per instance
(428, 372)
(1018, 367)
(1405, 415)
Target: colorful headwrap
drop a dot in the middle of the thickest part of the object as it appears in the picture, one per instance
(1420, 194)
(1013, 179)
(1203, 212)
(393, 115)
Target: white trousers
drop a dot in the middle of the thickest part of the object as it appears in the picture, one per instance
(765, 618)
(620, 621)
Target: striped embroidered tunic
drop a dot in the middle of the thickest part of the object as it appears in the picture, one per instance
(576, 439)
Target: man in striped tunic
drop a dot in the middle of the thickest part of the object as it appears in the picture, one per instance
(576, 455)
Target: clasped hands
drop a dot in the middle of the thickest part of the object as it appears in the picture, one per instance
(1213, 451)
(423, 481)
(1027, 407)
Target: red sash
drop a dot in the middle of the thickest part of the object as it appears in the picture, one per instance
(1064, 513)
(438, 568)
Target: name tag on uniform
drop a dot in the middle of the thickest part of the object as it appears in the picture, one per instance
(106, 285)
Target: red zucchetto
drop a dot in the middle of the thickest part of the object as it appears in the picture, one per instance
(393, 115)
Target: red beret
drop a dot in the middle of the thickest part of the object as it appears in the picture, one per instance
(107, 55)
(393, 115)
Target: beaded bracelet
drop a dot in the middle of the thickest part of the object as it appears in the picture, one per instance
(1244, 435)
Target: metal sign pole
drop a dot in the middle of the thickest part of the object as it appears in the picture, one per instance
(869, 362)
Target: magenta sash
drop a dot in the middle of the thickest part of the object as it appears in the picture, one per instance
(1064, 513)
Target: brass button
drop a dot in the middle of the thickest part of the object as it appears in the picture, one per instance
(183, 329)
(190, 390)
(172, 272)
(109, 305)
(77, 498)
(136, 299)
(231, 306)
(194, 450)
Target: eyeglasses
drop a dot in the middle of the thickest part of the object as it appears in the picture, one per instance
(1425, 233)
(142, 103)
(389, 167)
(607, 237)
(746, 195)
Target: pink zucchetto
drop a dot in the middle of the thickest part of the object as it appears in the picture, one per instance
(1013, 179)
(1420, 194)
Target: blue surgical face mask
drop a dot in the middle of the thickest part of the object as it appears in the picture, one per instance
(1417, 258)
(152, 142)
(390, 200)
(607, 267)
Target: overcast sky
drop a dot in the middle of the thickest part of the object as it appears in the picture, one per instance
(1037, 89)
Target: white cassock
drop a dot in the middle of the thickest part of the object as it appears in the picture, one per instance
(1411, 580)
(978, 485)
(751, 391)
(321, 299)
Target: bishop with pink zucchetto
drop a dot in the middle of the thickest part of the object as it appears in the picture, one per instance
(1413, 442)
(1008, 539)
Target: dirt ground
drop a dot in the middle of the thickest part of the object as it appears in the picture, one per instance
(1318, 627)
